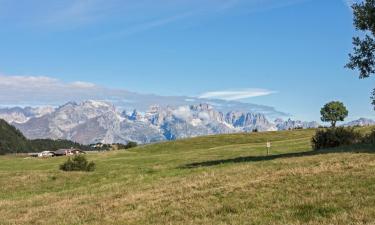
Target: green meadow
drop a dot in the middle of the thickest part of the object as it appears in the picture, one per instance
(224, 179)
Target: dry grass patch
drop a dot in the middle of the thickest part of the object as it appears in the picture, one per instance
(150, 185)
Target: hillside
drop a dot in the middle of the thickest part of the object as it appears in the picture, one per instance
(13, 141)
(224, 179)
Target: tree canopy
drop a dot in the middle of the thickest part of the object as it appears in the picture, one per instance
(333, 112)
(363, 56)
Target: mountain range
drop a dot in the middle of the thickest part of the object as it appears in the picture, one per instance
(99, 121)
(360, 122)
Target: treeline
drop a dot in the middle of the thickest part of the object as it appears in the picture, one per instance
(110, 147)
(13, 141)
(53, 145)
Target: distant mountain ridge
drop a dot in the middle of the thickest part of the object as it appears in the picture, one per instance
(360, 122)
(98, 121)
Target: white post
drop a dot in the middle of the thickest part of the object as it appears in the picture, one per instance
(268, 147)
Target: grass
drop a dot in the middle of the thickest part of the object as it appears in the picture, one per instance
(224, 179)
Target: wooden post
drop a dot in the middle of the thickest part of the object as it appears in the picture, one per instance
(268, 147)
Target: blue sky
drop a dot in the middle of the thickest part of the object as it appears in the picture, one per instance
(289, 54)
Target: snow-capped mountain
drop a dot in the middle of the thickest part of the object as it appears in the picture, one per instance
(294, 124)
(97, 121)
(21, 115)
(360, 122)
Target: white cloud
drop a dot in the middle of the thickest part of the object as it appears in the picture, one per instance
(38, 90)
(232, 95)
(43, 90)
(81, 84)
(26, 81)
(183, 113)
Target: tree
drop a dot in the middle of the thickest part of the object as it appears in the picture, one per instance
(333, 112)
(363, 56)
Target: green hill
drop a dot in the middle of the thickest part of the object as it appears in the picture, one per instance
(13, 141)
(225, 179)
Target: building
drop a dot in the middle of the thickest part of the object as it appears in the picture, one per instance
(46, 154)
(68, 152)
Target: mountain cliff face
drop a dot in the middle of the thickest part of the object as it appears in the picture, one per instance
(95, 121)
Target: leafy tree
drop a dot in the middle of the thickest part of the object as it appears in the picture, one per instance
(333, 112)
(363, 56)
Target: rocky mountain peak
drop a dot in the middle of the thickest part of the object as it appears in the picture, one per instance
(135, 116)
(93, 121)
(201, 107)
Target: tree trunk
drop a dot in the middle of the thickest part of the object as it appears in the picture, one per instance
(333, 123)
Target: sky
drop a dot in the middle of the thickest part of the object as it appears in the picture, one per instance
(288, 54)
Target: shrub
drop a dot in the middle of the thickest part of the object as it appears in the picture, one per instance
(78, 163)
(131, 144)
(370, 138)
(335, 137)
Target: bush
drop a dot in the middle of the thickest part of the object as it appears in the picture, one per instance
(78, 163)
(335, 137)
(370, 139)
(131, 144)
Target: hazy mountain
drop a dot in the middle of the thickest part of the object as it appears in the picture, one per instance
(360, 122)
(21, 115)
(294, 124)
(142, 103)
(98, 121)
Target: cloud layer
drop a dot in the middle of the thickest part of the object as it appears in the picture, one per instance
(42, 90)
(21, 90)
(236, 94)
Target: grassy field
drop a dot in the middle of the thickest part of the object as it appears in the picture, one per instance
(225, 179)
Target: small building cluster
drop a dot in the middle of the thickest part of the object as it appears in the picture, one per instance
(60, 152)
